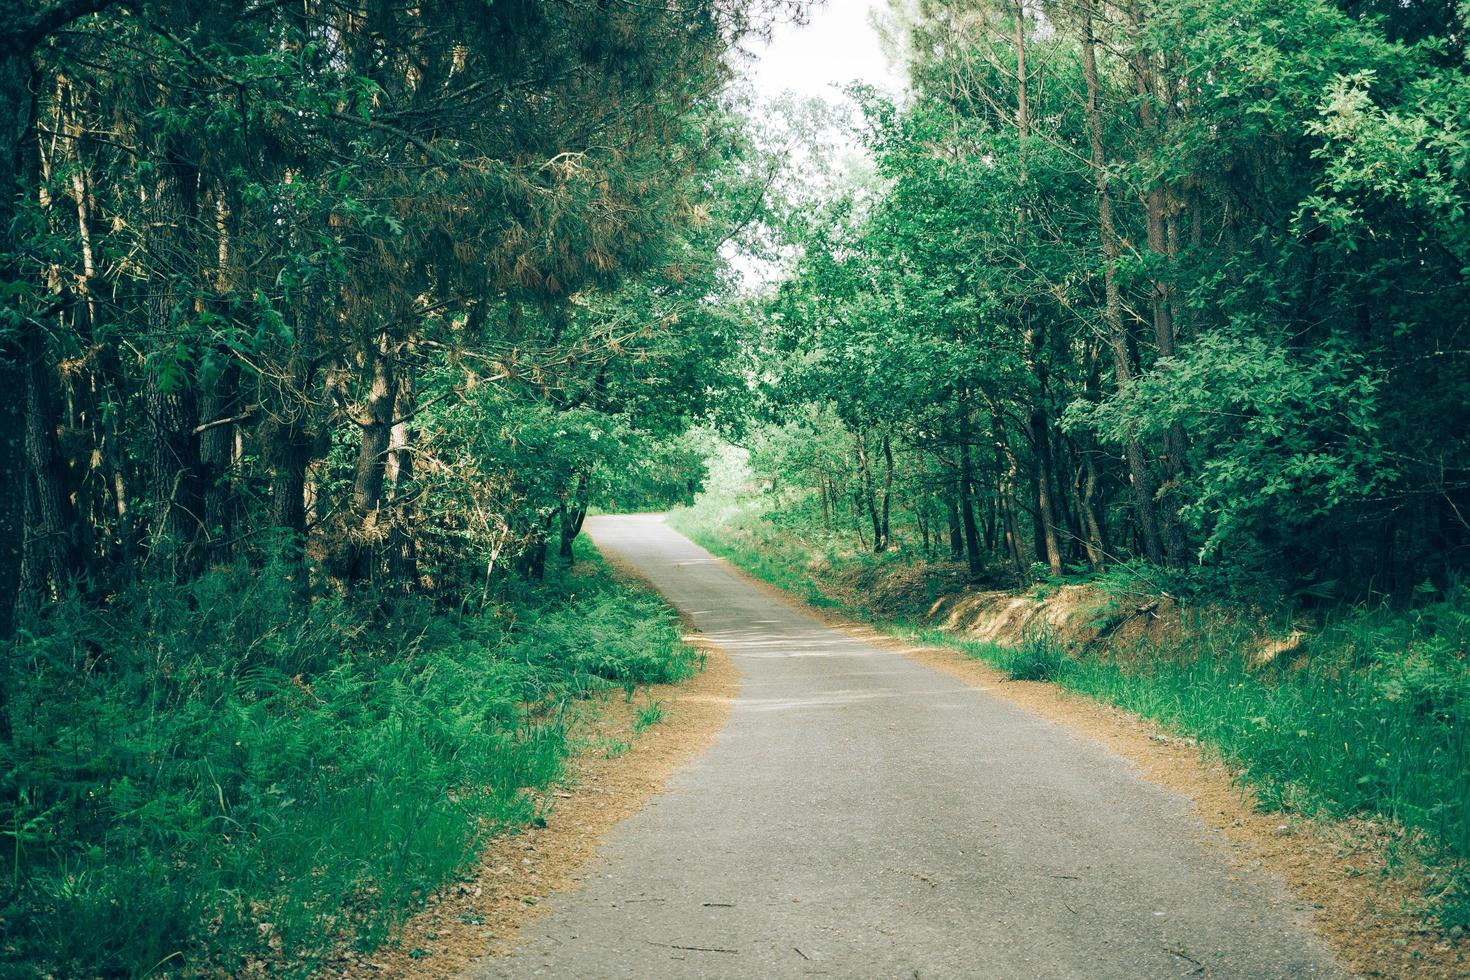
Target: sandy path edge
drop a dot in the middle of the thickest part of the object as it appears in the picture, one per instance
(1367, 894)
(482, 912)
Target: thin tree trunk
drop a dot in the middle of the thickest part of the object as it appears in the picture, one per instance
(956, 535)
(1046, 512)
(376, 427)
(1010, 522)
(573, 514)
(221, 400)
(870, 495)
(1039, 425)
(887, 486)
(217, 459)
(967, 508)
(1084, 489)
(1009, 507)
(403, 551)
(1142, 480)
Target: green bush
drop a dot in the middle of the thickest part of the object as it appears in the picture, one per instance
(219, 773)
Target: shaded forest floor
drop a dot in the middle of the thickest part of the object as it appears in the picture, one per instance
(1352, 723)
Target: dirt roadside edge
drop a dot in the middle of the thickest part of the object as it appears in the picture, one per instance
(481, 914)
(1364, 891)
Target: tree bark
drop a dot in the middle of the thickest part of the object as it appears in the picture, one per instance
(217, 461)
(372, 462)
(966, 488)
(1138, 469)
(887, 486)
(573, 514)
(870, 496)
(956, 535)
(15, 123)
(1050, 548)
(403, 551)
(175, 479)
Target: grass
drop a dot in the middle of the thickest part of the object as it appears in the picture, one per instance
(649, 714)
(1368, 719)
(220, 776)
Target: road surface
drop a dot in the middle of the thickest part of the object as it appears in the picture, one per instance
(864, 816)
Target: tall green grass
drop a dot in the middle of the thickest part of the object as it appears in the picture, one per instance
(218, 775)
(1368, 718)
(1325, 736)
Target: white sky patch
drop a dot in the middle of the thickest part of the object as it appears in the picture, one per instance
(838, 45)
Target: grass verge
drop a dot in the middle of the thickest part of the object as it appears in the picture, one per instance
(222, 777)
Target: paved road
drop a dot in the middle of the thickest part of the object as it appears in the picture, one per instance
(864, 816)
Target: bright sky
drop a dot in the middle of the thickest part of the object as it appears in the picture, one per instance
(837, 45)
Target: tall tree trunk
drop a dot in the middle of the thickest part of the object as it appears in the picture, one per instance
(220, 403)
(1010, 522)
(573, 514)
(54, 549)
(887, 486)
(17, 107)
(403, 550)
(1157, 208)
(1138, 469)
(376, 426)
(1050, 550)
(287, 439)
(52, 546)
(1009, 507)
(175, 484)
(23, 26)
(870, 495)
(966, 479)
(1039, 425)
(1176, 548)
(956, 535)
(32, 546)
(220, 406)
(291, 457)
(1084, 488)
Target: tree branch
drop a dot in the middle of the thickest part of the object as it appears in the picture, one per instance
(21, 36)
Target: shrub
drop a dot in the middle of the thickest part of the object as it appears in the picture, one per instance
(207, 775)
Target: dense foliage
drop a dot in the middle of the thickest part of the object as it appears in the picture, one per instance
(217, 777)
(1146, 279)
(324, 324)
(395, 289)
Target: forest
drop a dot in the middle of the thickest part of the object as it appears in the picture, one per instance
(328, 322)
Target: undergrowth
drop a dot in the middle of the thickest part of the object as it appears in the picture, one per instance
(220, 776)
(1367, 718)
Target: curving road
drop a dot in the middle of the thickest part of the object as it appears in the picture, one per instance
(864, 816)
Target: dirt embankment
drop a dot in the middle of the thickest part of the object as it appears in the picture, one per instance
(1076, 616)
(1081, 618)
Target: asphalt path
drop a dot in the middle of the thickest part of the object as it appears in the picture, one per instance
(862, 815)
